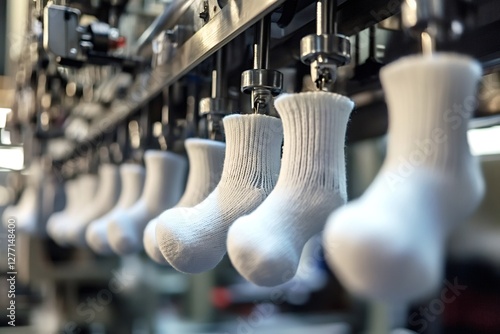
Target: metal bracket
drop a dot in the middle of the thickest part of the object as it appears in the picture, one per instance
(326, 50)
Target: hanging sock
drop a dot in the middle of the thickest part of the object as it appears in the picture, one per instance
(193, 240)
(265, 246)
(25, 212)
(104, 200)
(80, 197)
(73, 197)
(389, 244)
(206, 158)
(165, 174)
(52, 200)
(132, 178)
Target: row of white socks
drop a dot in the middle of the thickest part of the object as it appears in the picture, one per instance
(262, 209)
(114, 214)
(25, 211)
(42, 196)
(390, 243)
(387, 245)
(265, 219)
(80, 193)
(206, 158)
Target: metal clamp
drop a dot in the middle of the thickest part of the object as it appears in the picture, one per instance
(214, 108)
(432, 21)
(326, 50)
(263, 79)
(261, 83)
(162, 49)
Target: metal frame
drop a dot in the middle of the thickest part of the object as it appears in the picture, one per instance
(235, 17)
(232, 20)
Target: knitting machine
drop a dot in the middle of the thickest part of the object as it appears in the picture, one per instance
(104, 81)
(259, 38)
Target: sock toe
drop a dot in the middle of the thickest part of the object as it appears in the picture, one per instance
(263, 266)
(123, 239)
(257, 257)
(169, 237)
(59, 233)
(373, 263)
(96, 236)
(75, 235)
(150, 245)
(52, 226)
(181, 245)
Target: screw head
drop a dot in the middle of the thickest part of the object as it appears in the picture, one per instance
(205, 14)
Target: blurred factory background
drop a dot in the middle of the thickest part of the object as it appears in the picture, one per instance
(73, 290)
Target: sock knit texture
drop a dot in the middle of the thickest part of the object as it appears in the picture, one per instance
(265, 246)
(165, 177)
(389, 244)
(193, 240)
(132, 179)
(206, 158)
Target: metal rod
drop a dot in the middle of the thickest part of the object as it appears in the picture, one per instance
(189, 55)
(165, 114)
(428, 43)
(357, 50)
(169, 16)
(218, 75)
(261, 43)
(326, 11)
(373, 43)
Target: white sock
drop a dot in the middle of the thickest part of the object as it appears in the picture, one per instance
(104, 200)
(79, 197)
(132, 179)
(193, 240)
(52, 200)
(266, 245)
(25, 212)
(42, 196)
(165, 176)
(73, 197)
(389, 244)
(206, 158)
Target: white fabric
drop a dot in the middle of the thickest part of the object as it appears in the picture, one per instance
(42, 196)
(25, 211)
(104, 200)
(132, 179)
(193, 240)
(52, 200)
(206, 158)
(80, 194)
(388, 245)
(266, 245)
(73, 197)
(165, 176)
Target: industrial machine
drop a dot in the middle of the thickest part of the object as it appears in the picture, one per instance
(103, 81)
